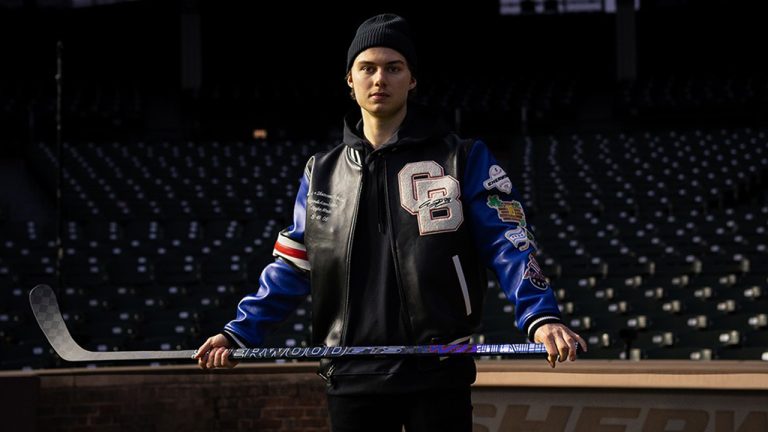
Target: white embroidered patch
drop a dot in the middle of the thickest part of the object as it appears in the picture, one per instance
(521, 238)
(498, 179)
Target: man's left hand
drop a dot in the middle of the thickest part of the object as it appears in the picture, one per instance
(560, 342)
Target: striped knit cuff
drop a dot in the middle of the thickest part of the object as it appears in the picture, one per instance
(538, 322)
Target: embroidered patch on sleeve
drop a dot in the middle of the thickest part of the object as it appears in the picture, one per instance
(533, 273)
(521, 238)
(508, 211)
(498, 179)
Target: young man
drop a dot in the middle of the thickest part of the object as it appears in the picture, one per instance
(392, 232)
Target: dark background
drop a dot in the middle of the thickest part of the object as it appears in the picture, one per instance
(281, 64)
(647, 179)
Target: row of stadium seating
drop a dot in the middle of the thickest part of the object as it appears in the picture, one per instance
(654, 242)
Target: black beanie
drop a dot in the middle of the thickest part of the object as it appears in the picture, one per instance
(385, 30)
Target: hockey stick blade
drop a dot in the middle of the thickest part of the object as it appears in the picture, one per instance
(42, 299)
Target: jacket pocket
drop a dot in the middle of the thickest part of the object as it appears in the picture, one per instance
(462, 284)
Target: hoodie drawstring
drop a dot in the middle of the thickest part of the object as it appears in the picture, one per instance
(381, 191)
(378, 165)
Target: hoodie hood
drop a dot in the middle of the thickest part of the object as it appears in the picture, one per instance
(420, 124)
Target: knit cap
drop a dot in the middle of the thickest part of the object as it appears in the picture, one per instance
(384, 30)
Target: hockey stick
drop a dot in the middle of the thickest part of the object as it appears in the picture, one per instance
(42, 299)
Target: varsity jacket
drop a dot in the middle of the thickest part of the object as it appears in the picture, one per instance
(451, 211)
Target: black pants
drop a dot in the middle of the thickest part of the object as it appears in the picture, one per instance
(434, 410)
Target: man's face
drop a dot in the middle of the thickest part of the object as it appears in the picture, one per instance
(381, 80)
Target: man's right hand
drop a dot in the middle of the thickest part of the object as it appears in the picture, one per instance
(214, 353)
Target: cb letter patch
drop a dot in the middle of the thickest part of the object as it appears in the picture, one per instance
(431, 196)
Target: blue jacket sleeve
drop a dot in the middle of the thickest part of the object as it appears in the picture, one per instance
(503, 239)
(283, 284)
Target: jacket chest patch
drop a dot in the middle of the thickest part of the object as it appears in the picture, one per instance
(430, 195)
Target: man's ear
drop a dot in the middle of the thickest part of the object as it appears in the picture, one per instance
(349, 81)
(412, 85)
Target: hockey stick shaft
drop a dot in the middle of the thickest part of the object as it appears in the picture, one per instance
(387, 351)
(46, 310)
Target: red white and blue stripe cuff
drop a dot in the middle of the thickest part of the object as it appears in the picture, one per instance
(292, 251)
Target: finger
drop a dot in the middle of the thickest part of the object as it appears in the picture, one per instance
(201, 362)
(223, 358)
(582, 342)
(202, 357)
(563, 349)
(221, 355)
(216, 358)
(226, 360)
(210, 360)
(572, 347)
(203, 349)
(551, 347)
(566, 346)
